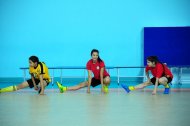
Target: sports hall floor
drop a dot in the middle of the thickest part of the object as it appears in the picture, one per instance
(139, 108)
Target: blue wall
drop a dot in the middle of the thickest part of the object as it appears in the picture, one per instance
(63, 32)
(171, 44)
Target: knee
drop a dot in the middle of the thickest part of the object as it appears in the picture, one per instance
(161, 81)
(107, 80)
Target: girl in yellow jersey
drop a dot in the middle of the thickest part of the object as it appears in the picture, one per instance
(39, 75)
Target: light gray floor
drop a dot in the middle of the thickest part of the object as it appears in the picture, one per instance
(138, 108)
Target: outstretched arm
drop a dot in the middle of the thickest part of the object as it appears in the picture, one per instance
(89, 80)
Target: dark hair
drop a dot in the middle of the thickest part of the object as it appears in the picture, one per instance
(153, 59)
(95, 50)
(34, 59)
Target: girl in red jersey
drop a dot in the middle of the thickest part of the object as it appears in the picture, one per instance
(161, 75)
(101, 76)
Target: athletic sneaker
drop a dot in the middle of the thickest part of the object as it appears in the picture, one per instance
(167, 90)
(61, 88)
(105, 88)
(126, 88)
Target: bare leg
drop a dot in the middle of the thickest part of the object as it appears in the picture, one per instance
(107, 80)
(79, 86)
(163, 81)
(142, 85)
(22, 85)
(14, 88)
(44, 85)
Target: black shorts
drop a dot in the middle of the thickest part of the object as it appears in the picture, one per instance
(37, 81)
(153, 80)
(95, 82)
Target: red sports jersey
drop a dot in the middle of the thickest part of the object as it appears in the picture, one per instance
(158, 70)
(95, 68)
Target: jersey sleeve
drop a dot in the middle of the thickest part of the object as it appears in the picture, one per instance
(88, 66)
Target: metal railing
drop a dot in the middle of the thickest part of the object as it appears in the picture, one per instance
(179, 74)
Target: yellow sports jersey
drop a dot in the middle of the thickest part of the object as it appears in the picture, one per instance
(40, 69)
